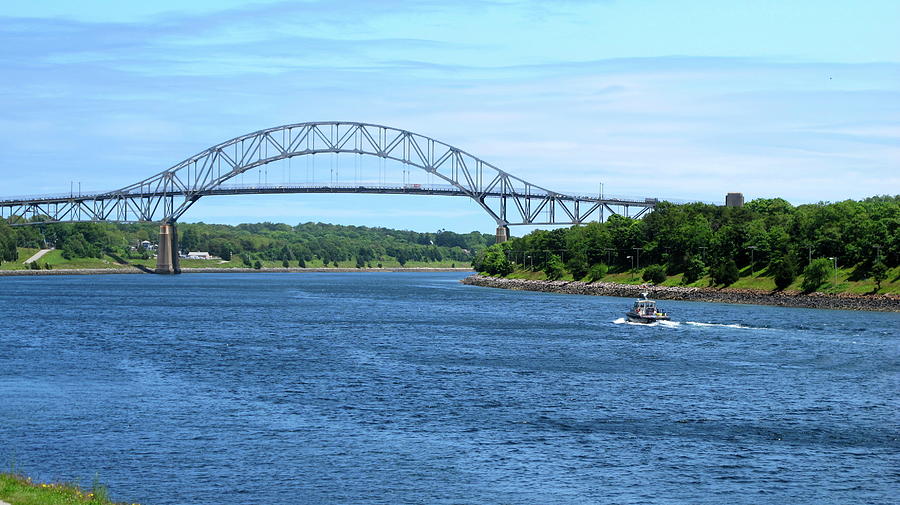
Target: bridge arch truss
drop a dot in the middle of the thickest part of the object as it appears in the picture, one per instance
(166, 196)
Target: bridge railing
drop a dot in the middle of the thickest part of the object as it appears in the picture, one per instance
(370, 185)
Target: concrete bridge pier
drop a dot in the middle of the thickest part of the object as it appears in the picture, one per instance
(167, 253)
(502, 233)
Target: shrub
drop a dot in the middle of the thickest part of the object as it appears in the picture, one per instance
(301, 263)
(655, 274)
(577, 266)
(257, 265)
(693, 270)
(815, 274)
(879, 273)
(784, 271)
(597, 272)
(492, 261)
(554, 268)
(285, 264)
(725, 273)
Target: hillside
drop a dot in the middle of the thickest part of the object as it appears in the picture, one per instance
(312, 245)
(768, 244)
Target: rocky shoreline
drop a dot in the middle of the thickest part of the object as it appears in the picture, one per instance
(100, 271)
(844, 301)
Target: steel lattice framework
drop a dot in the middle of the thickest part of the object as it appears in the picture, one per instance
(166, 196)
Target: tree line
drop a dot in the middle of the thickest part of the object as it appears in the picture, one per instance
(252, 242)
(768, 235)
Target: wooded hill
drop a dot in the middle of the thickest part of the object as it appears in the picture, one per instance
(768, 243)
(319, 243)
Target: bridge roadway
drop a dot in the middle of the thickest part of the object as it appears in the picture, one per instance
(76, 207)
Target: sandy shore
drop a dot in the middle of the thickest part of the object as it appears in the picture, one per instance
(845, 301)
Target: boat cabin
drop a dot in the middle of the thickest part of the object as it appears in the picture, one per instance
(644, 307)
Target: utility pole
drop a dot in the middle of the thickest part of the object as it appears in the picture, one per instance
(752, 250)
(834, 258)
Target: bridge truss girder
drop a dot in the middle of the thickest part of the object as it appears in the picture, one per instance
(166, 196)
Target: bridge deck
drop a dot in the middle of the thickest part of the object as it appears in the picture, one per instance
(259, 189)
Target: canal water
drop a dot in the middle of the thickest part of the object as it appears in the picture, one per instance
(396, 388)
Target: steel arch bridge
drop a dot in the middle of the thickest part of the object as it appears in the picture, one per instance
(166, 196)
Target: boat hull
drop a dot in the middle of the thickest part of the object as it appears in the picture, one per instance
(638, 318)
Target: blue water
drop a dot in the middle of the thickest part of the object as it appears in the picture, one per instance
(412, 388)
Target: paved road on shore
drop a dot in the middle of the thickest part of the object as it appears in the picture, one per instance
(38, 255)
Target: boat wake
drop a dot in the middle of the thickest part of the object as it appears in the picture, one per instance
(666, 324)
(718, 325)
(676, 324)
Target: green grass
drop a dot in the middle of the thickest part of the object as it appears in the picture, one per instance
(18, 490)
(750, 280)
(57, 262)
(24, 254)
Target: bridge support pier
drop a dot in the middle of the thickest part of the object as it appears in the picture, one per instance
(502, 233)
(167, 253)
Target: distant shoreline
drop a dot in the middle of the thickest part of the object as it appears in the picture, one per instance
(109, 271)
(843, 301)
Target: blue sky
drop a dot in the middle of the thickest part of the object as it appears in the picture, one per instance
(678, 99)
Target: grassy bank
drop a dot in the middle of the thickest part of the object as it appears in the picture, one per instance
(18, 490)
(57, 262)
(847, 281)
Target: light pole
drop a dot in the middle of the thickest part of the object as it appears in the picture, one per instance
(637, 251)
(632, 262)
(704, 253)
(752, 250)
(834, 258)
(809, 248)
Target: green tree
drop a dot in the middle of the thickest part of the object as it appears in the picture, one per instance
(8, 250)
(77, 246)
(655, 274)
(815, 274)
(493, 261)
(577, 266)
(597, 272)
(879, 273)
(783, 270)
(725, 273)
(257, 265)
(554, 268)
(693, 270)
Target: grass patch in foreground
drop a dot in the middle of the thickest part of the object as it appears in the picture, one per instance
(18, 490)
